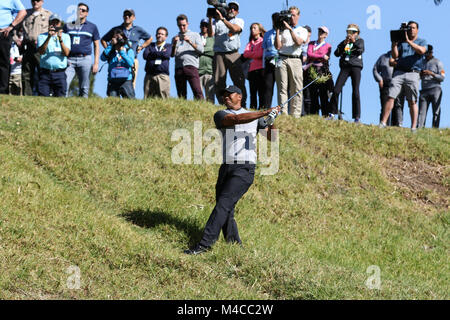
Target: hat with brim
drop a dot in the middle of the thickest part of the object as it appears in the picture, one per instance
(130, 11)
(231, 89)
(324, 29)
(55, 16)
(353, 29)
(235, 3)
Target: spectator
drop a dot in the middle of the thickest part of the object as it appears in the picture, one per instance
(134, 34)
(187, 46)
(157, 55)
(83, 35)
(350, 52)
(7, 24)
(406, 73)
(54, 48)
(432, 76)
(227, 42)
(34, 24)
(318, 57)
(306, 110)
(120, 58)
(205, 69)
(15, 79)
(270, 57)
(289, 71)
(254, 51)
(382, 72)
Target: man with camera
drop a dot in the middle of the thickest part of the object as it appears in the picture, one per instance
(227, 42)
(187, 46)
(7, 24)
(54, 48)
(239, 128)
(432, 76)
(289, 39)
(35, 23)
(409, 63)
(134, 34)
(83, 34)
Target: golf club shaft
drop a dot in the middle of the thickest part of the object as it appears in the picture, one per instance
(298, 92)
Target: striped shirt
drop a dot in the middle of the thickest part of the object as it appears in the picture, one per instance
(82, 36)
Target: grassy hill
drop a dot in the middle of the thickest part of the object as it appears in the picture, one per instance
(91, 184)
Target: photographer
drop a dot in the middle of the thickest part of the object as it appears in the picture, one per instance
(187, 46)
(409, 56)
(432, 76)
(120, 58)
(54, 48)
(289, 68)
(350, 52)
(227, 42)
(7, 24)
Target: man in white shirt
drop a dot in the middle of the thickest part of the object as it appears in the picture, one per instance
(227, 42)
(289, 71)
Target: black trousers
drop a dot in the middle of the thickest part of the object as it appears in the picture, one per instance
(257, 88)
(233, 182)
(30, 69)
(396, 116)
(269, 84)
(355, 74)
(5, 64)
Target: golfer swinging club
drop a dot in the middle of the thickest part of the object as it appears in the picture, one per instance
(239, 128)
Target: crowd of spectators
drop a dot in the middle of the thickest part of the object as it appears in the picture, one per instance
(40, 55)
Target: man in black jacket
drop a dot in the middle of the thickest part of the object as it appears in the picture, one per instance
(350, 52)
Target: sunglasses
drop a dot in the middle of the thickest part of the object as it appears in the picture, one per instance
(83, 10)
(36, 0)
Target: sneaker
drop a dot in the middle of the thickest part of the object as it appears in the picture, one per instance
(198, 249)
(330, 117)
(413, 130)
(357, 121)
(382, 125)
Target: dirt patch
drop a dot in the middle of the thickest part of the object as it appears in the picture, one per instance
(419, 181)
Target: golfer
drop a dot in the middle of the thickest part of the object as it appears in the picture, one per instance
(239, 128)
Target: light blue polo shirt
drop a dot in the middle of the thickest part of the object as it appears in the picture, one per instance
(7, 9)
(54, 57)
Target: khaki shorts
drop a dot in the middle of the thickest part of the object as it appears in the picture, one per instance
(408, 81)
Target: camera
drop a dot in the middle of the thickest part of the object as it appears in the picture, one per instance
(121, 41)
(56, 29)
(399, 35)
(220, 5)
(280, 18)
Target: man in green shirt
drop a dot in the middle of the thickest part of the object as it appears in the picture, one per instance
(205, 69)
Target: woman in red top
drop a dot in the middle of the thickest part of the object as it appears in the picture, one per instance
(254, 51)
(319, 53)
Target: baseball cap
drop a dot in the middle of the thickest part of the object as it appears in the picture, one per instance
(234, 2)
(130, 11)
(325, 29)
(54, 16)
(231, 89)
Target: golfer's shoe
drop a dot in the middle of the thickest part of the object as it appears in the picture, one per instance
(198, 249)
(382, 125)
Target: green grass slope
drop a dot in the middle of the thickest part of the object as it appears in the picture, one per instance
(91, 184)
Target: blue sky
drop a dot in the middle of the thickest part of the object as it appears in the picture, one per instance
(375, 19)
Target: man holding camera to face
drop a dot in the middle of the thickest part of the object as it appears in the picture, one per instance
(54, 48)
(289, 68)
(227, 42)
(408, 65)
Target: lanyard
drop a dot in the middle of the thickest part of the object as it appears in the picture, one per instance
(317, 47)
(161, 47)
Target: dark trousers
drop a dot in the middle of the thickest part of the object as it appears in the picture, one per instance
(427, 96)
(269, 84)
(257, 88)
(52, 83)
(233, 182)
(307, 107)
(188, 74)
(5, 64)
(319, 97)
(355, 74)
(30, 70)
(124, 89)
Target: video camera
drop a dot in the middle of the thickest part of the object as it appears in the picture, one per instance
(220, 5)
(399, 35)
(280, 18)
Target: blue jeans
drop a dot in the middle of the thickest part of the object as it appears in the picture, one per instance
(81, 66)
(122, 89)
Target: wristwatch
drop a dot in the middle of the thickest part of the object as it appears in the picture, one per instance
(12, 26)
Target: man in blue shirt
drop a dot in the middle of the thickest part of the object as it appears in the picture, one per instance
(134, 34)
(7, 24)
(82, 34)
(409, 63)
(54, 48)
(270, 56)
